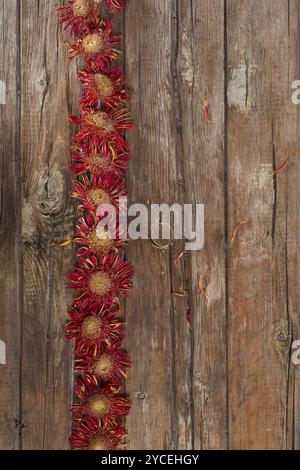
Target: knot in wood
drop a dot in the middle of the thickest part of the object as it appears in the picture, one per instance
(51, 194)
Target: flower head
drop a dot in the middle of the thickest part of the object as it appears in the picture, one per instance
(90, 434)
(108, 159)
(101, 403)
(106, 87)
(97, 46)
(100, 280)
(94, 238)
(101, 190)
(91, 329)
(102, 126)
(77, 14)
(108, 366)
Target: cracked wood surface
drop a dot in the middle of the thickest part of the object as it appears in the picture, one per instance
(226, 381)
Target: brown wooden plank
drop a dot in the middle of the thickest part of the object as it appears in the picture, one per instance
(152, 179)
(10, 318)
(258, 131)
(191, 358)
(47, 86)
(288, 192)
(201, 75)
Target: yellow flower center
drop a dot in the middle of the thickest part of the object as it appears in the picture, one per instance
(104, 365)
(96, 161)
(102, 120)
(101, 240)
(81, 8)
(104, 86)
(91, 328)
(92, 43)
(99, 196)
(98, 405)
(100, 284)
(100, 443)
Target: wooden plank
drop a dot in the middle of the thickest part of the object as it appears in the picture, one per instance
(191, 358)
(152, 179)
(201, 76)
(259, 317)
(288, 195)
(47, 87)
(10, 318)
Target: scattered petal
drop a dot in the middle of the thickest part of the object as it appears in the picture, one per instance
(281, 167)
(237, 229)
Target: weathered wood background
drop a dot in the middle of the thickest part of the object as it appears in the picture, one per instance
(228, 381)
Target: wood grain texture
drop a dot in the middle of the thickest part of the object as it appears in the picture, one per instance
(10, 318)
(149, 311)
(201, 76)
(226, 381)
(47, 217)
(260, 115)
(292, 220)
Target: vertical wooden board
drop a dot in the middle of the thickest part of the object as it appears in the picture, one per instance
(180, 328)
(10, 318)
(291, 150)
(201, 75)
(259, 322)
(152, 178)
(47, 217)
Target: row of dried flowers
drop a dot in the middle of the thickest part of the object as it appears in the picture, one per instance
(99, 158)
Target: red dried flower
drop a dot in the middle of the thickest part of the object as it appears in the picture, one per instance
(95, 238)
(101, 190)
(98, 402)
(106, 160)
(91, 329)
(100, 126)
(108, 366)
(106, 87)
(97, 46)
(90, 434)
(100, 280)
(116, 4)
(78, 13)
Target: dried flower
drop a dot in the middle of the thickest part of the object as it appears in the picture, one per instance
(93, 238)
(99, 280)
(100, 126)
(108, 159)
(90, 434)
(97, 46)
(91, 329)
(109, 365)
(99, 402)
(106, 87)
(101, 190)
(77, 14)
